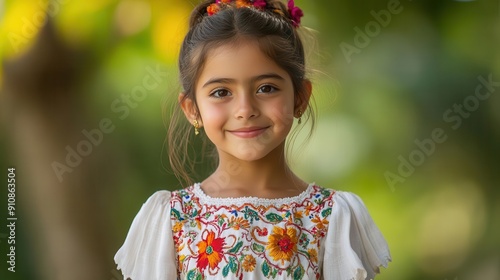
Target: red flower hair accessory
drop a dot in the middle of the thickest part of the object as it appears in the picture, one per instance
(294, 11)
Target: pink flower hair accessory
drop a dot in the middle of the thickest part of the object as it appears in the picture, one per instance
(295, 12)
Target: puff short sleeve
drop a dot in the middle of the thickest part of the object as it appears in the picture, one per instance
(354, 246)
(148, 251)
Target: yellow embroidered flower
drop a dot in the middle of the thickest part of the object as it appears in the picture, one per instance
(298, 215)
(177, 227)
(320, 223)
(249, 263)
(313, 255)
(282, 244)
(237, 223)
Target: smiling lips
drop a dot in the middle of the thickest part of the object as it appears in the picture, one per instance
(248, 132)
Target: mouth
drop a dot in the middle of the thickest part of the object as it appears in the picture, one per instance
(248, 132)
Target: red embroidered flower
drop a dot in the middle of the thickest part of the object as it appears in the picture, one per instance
(295, 12)
(209, 251)
(262, 232)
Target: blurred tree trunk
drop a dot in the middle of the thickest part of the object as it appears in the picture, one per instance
(43, 118)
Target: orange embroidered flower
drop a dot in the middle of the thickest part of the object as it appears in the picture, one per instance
(209, 251)
(298, 215)
(313, 255)
(238, 223)
(282, 244)
(249, 263)
(320, 224)
(308, 209)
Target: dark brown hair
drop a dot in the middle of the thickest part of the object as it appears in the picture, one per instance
(277, 38)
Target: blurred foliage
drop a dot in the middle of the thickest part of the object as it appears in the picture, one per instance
(441, 222)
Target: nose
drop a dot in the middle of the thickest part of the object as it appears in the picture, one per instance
(247, 107)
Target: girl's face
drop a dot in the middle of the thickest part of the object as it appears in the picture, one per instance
(245, 101)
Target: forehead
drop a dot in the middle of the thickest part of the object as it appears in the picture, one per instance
(240, 61)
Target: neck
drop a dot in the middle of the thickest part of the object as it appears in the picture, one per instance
(268, 176)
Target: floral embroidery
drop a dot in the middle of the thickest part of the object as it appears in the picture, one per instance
(320, 223)
(210, 251)
(232, 238)
(313, 255)
(282, 244)
(249, 263)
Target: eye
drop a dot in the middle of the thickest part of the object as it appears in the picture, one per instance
(220, 93)
(267, 89)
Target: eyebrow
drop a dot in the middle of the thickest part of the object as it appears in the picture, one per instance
(254, 79)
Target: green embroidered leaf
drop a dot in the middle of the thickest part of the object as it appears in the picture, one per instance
(326, 212)
(237, 247)
(233, 264)
(265, 268)
(258, 248)
(176, 213)
(326, 193)
(274, 218)
(274, 273)
(298, 273)
(250, 214)
(225, 270)
(195, 213)
(191, 275)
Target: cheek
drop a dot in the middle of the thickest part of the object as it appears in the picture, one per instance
(212, 116)
(281, 112)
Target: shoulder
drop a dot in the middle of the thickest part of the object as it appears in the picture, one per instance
(147, 252)
(348, 200)
(159, 197)
(354, 240)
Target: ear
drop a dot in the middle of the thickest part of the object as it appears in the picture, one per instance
(302, 102)
(189, 108)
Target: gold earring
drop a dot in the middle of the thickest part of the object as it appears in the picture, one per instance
(196, 127)
(300, 116)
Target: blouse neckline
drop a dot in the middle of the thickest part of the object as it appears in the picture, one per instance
(251, 199)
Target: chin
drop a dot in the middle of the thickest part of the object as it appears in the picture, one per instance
(251, 152)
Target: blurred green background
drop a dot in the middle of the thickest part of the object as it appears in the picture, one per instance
(407, 94)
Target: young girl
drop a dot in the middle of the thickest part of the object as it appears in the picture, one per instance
(242, 70)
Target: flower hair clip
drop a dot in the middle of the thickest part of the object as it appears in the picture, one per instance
(294, 11)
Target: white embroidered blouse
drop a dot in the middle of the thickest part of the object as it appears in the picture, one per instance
(319, 234)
